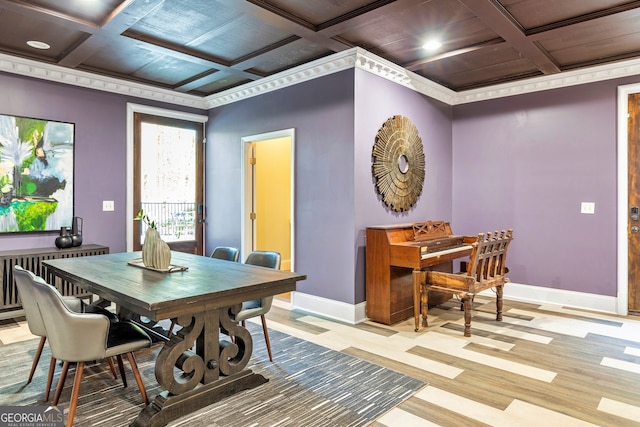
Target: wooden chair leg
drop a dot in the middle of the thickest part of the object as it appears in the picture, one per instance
(61, 381)
(499, 292)
(173, 325)
(112, 368)
(121, 367)
(52, 369)
(266, 336)
(138, 377)
(36, 358)
(466, 301)
(73, 404)
(462, 304)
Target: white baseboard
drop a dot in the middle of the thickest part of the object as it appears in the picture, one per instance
(515, 291)
(540, 295)
(332, 309)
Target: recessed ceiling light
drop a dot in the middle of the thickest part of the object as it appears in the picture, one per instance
(432, 45)
(38, 45)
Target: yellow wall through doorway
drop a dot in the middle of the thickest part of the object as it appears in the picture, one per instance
(273, 197)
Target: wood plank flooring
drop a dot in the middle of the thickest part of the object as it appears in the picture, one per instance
(541, 366)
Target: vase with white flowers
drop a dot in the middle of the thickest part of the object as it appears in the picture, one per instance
(155, 251)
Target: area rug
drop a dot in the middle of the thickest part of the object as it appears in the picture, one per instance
(309, 385)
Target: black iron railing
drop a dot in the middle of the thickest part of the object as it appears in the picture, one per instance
(174, 221)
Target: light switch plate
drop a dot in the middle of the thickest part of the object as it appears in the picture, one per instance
(107, 205)
(588, 208)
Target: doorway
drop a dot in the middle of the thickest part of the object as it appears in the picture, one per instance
(268, 200)
(628, 272)
(165, 167)
(633, 207)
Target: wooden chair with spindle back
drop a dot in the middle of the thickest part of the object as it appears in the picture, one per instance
(486, 269)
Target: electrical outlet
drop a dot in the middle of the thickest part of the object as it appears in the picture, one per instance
(588, 208)
(107, 205)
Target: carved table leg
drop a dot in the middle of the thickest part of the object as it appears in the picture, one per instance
(467, 302)
(499, 291)
(216, 370)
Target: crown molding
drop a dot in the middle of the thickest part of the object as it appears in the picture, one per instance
(352, 58)
(554, 81)
(367, 61)
(374, 64)
(56, 73)
(312, 70)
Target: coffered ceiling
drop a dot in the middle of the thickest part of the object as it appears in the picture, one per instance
(204, 47)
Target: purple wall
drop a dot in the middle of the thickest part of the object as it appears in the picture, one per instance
(335, 193)
(100, 153)
(376, 100)
(321, 112)
(524, 162)
(527, 162)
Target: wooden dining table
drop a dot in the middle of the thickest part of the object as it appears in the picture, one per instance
(200, 294)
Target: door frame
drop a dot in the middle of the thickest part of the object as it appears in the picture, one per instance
(623, 197)
(247, 192)
(133, 108)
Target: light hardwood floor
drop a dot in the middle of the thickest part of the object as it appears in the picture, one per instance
(541, 366)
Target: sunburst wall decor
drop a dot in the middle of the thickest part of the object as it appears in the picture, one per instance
(398, 163)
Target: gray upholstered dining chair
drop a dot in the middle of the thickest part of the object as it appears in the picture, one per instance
(260, 307)
(24, 279)
(226, 253)
(83, 337)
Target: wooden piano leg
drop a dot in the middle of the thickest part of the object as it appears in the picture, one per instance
(499, 292)
(467, 301)
(419, 277)
(424, 300)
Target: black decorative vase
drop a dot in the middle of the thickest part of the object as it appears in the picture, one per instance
(64, 240)
(76, 231)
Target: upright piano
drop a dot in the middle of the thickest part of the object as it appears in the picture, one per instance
(393, 252)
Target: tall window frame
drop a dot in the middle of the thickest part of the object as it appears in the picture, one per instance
(132, 109)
